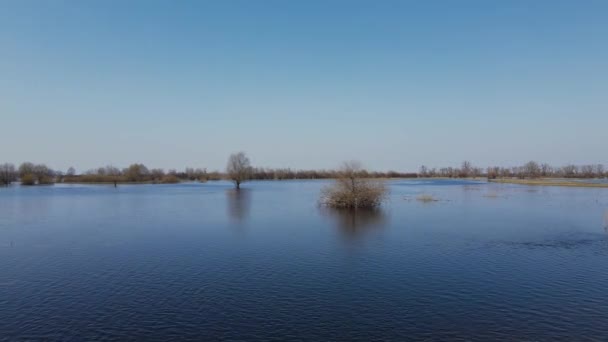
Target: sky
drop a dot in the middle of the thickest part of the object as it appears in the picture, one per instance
(303, 84)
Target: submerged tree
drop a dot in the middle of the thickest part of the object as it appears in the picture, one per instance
(353, 189)
(8, 174)
(31, 174)
(238, 168)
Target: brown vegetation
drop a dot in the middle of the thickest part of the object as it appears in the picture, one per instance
(28, 179)
(135, 173)
(32, 174)
(426, 198)
(353, 190)
(169, 179)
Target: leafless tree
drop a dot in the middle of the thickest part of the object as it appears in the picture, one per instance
(467, 169)
(238, 168)
(569, 171)
(8, 174)
(545, 170)
(531, 169)
(71, 172)
(493, 172)
(157, 174)
(587, 171)
(352, 189)
(424, 171)
(599, 171)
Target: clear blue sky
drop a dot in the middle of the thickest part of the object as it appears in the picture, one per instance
(303, 84)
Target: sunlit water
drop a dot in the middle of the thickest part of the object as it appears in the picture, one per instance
(203, 262)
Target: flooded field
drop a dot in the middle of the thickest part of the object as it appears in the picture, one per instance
(441, 260)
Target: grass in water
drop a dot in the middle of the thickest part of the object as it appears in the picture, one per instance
(491, 195)
(426, 198)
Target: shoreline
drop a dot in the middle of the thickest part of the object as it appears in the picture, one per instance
(576, 182)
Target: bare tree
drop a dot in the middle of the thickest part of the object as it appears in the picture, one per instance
(599, 171)
(424, 171)
(545, 170)
(492, 172)
(71, 172)
(587, 171)
(8, 174)
(569, 171)
(157, 174)
(531, 169)
(238, 168)
(466, 170)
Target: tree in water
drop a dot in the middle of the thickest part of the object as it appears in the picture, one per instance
(354, 189)
(238, 168)
(8, 174)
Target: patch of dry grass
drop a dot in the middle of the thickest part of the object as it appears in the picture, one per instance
(28, 179)
(491, 195)
(169, 179)
(426, 198)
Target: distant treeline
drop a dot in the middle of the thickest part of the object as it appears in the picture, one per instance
(531, 169)
(40, 174)
(137, 173)
(27, 173)
(282, 174)
(31, 174)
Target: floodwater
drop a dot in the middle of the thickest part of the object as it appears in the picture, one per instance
(204, 262)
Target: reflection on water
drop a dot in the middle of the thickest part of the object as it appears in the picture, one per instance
(353, 223)
(238, 204)
(606, 220)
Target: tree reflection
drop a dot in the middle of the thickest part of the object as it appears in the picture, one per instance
(238, 204)
(354, 223)
(606, 220)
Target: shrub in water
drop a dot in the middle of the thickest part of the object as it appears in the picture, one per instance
(28, 179)
(352, 190)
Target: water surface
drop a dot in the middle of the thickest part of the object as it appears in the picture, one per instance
(204, 262)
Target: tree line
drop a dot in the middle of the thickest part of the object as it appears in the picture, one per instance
(239, 170)
(27, 173)
(39, 174)
(531, 169)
